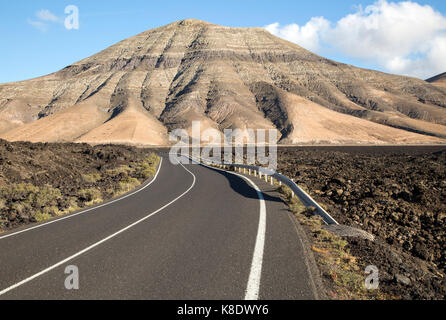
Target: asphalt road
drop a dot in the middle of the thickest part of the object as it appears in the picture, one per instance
(192, 233)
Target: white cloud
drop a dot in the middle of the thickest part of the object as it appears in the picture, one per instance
(47, 15)
(38, 25)
(307, 36)
(401, 37)
(44, 17)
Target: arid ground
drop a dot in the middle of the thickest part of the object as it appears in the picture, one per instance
(42, 181)
(396, 193)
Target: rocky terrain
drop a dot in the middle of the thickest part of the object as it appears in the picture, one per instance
(396, 193)
(41, 181)
(139, 89)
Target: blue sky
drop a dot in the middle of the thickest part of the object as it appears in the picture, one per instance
(35, 44)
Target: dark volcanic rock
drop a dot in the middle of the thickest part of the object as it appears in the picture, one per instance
(395, 193)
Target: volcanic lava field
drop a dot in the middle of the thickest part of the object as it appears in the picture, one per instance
(396, 193)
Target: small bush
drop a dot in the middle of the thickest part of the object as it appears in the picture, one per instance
(127, 184)
(92, 177)
(18, 191)
(72, 206)
(45, 197)
(41, 217)
(21, 207)
(25, 196)
(119, 170)
(295, 205)
(44, 202)
(147, 169)
(333, 257)
(90, 196)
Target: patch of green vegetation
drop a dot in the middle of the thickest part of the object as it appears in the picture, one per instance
(296, 206)
(91, 177)
(147, 168)
(21, 207)
(126, 185)
(45, 197)
(72, 206)
(18, 191)
(119, 170)
(41, 217)
(46, 202)
(90, 196)
(337, 264)
(25, 197)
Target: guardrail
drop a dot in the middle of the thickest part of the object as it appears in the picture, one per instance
(270, 175)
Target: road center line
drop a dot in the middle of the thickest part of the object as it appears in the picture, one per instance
(87, 210)
(99, 242)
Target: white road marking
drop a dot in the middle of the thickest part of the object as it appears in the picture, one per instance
(86, 210)
(255, 275)
(253, 289)
(99, 242)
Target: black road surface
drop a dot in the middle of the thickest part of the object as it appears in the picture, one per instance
(190, 234)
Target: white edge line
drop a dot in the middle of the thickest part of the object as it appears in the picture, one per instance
(86, 210)
(97, 243)
(255, 275)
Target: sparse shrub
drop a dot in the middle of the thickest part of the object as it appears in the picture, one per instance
(26, 202)
(45, 197)
(18, 191)
(21, 207)
(333, 257)
(92, 177)
(295, 205)
(312, 221)
(90, 196)
(71, 206)
(148, 167)
(119, 170)
(127, 184)
(25, 196)
(41, 217)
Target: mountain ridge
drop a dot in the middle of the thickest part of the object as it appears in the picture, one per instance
(142, 87)
(438, 80)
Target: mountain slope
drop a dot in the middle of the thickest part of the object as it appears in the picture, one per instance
(139, 89)
(439, 80)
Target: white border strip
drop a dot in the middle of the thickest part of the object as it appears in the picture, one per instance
(253, 289)
(86, 210)
(255, 275)
(97, 243)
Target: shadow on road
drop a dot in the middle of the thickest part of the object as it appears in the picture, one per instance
(243, 188)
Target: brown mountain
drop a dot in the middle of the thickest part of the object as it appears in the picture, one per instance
(140, 88)
(439, 80)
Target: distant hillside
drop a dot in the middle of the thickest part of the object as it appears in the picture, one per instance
(439, 80)
(141, 88)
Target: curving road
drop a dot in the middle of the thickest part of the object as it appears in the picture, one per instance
(191, 233)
